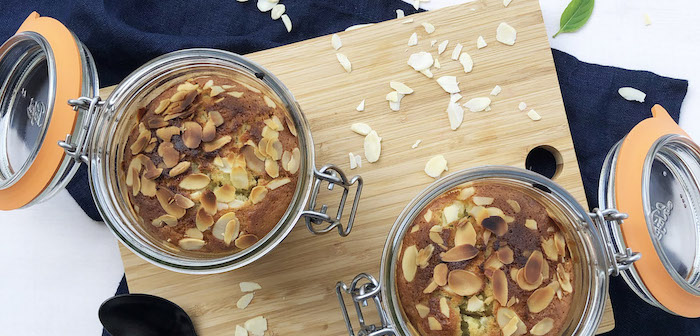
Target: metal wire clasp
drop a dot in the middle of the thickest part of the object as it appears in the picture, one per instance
(363, 289)
(77, 148)
(334, 176)
(605, 221)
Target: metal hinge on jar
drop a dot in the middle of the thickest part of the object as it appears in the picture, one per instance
(77, 148)
(334, 176)
(605, 222)
(363, 289)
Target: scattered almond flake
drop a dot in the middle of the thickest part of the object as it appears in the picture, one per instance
(455, 114)
(429, 28)
(522, 106)
(466, 62)
(336, 42)
(407, 21)
(449, 84)
(358, 161)
(416, 4)
(456, 52)
(415, 145)
(266, 5)
(287, 22)
(427, 73)
(632, 94)
(392, 96)
(454, 97)
(443, 46)
(358, 26)
(360, 128)
(277, 11)
(496, 90)
(534, 115)
(480, 43)
(373, 146)
(505, 34)
(249, 286)
(344, 61)
(436, 63)
(240, 331)
(433, 42)
(400, 13)
(435, 166)
(244, 301)
(413, 40)
(420, 60)
(353, 163)
(401, 88)
(478, 104)
(257, 326)
(506, 3)
(647, 20)
(361, 107)
(395, 106)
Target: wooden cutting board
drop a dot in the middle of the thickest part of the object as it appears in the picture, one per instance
(299, 276)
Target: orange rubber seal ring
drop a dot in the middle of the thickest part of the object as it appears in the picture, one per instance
(628, 197)
(68, 83)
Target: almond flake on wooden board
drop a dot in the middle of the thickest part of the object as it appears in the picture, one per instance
(427, 73)
(455, 97)
(360, 128)
(416, 4)
(401, 88)
(266, 5)
(353, 163)
(361, 107)
(506, 3)
(442, 46)
(457, 51)
(496, 90)
(449, 84)
(287, 22)
(429, 28)
(336, 42)
(433, 42)
(413, 40)
(408, 20)
(400, 13)
(277, 11)
(373, 146)
(358, 26)
(256, 326)
(522, 106)
(358, 161)
(396, 105)
(480, 42)
(244, 301)
(436, 64)
(415, 145)
(466, 62)
(534, 115)
(248, 286)
(420, 60)
(240, 331)
(455, 114)
(505, 34)
(632, 94)
(344, 61)
(435, 166)
(478, 104)
(392, 96)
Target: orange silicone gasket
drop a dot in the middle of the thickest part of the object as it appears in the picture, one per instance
(68, 83)
(628, 196)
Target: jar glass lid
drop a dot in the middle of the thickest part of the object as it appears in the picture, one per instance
(671, 200)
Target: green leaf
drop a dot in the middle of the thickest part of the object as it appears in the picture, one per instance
(575, 16)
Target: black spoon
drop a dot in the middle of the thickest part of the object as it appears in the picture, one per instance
(144, 315)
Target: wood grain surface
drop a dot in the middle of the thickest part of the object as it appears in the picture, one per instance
(299, 276)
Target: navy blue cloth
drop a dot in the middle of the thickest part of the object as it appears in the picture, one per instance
(122, 35)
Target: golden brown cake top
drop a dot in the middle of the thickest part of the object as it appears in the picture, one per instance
(485, 259)
(211, 164)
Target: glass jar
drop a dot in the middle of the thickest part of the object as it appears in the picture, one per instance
(54, 121)
(653, 175)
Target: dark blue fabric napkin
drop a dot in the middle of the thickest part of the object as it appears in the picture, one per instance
(122, 35)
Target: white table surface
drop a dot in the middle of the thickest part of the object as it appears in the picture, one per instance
(57, 290)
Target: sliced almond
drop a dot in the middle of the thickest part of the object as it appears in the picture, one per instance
(460, 253)
(424, 255)
(455, 115)
(225, 193)
(246, 240)
(294, 162)
(162, 106)
(191, 244)
(429, 28)
(436, 238)
(422, 310)
(166, 133)
(465, 234)
(428, 215)
(540, 299)
(506, 34)
(239, 178)
(191, 134)
(550, 249)
(170, 156)
(442, 46)
(480, 42)
(531, 224)
(532, 114)
(183, 201)
(148, 186)
(413, 40)
(464, 283)
(272, 168)
(244, 301)
(344, 61)
(465, 193)
(420, 60)
(135, 181)
(457, 51)
(478, 104)
(542, 327)
(433, 323)
(195, 181)
(179, 168)
(257, 326)
(216, 144)
(500, 286)
(564, 279)
(216, 117)
(432, 286)
(408, 263)
(449, 84)
(496, 90)
(247, 286)
(203, 220)
(373, 146)
(219, 228)
(252, 161)
(444, 307)
(141, 142)
(533, 267)
(560, 243)
(257, 194)
(495, 224)
(165, 197)
(232, 230)
(632, 94)
(208, 201)
(276, 183)
(194, 233)
(209, 131)
(522, 283)
(361, 106)
(336, 43)
(467, 63)
(505, 255)
(401, 88)
(164, 220)
(435, 166)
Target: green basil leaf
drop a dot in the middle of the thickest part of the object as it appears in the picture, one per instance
(575, 16)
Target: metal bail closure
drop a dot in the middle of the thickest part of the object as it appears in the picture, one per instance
(42, 68)
(606, 222)
(657, 182)
(316, 219)
(363, 289)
